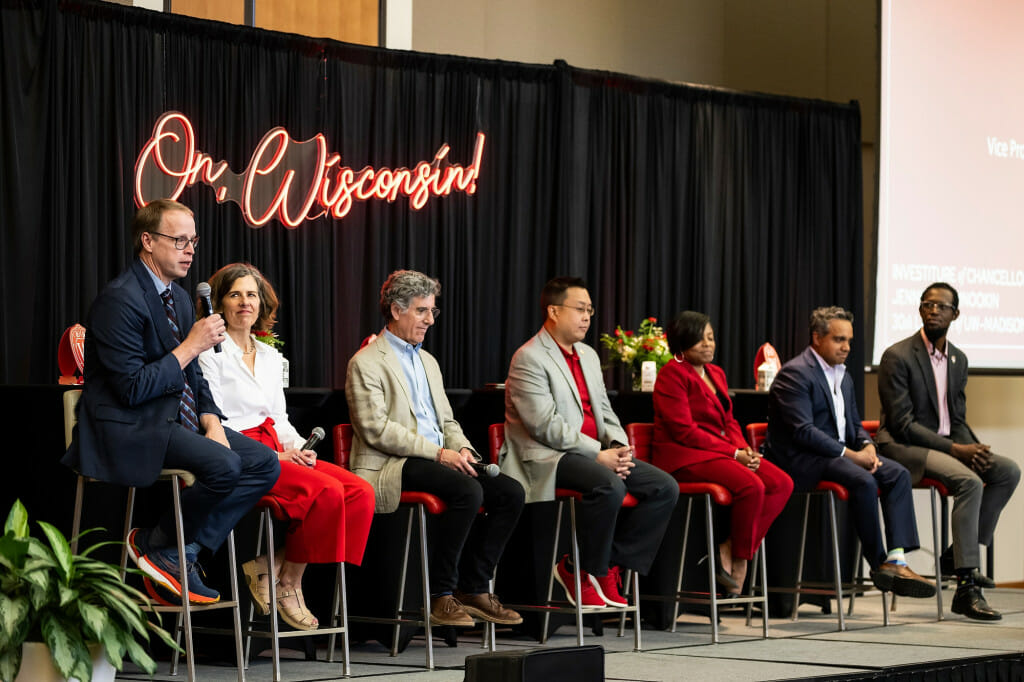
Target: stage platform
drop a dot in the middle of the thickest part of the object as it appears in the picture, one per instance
(913, 647)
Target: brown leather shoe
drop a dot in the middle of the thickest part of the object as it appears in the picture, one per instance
(446, 610)
(486, 606)
(902, 581)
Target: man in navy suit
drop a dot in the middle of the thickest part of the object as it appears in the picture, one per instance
(815, 433)
(145, 405)
(921, 382)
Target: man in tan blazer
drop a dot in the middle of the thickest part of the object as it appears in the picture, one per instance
(560, 431)
(406, 438)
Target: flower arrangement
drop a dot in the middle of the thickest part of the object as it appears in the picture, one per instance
(269, 338)
(633, 348)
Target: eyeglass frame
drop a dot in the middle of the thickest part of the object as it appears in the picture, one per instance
(421, 312)
(588, 310)
(182, 240)
(936, 305)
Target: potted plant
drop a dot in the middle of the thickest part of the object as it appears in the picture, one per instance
(69, 603)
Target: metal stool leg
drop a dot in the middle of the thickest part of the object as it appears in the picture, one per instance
(252, 606)
(129, 513)
(837, 576)
(186, 606)
(682, 562)
(546, 618)
(576, 573)
(712, 550)
(426, 586)
(76, 521)
(401, 583)
(800, 558)
(275, 646)
(937, 552)
(237, 608)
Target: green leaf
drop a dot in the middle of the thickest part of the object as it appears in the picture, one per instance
(14, 621)
(94, 620)
(165, 637)
(138, 654)
(113, 644)
(129, 611)
(62, 642)
(12, 552)
(17, 520)
(10, 663)
(82, 669)
(61, 548)
(66, 595)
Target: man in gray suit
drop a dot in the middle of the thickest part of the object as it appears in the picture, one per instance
(406, 438)
(921, 382)
(560, 431)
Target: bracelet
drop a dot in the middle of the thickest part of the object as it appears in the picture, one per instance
(736, 455)
(439, 451)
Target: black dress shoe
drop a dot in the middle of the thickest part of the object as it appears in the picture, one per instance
(949, 571)
(969, 601)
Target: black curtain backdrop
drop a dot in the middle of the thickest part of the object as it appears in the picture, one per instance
(663, 197)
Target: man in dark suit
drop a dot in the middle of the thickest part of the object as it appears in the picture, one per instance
(145, 405)
(815, 433)
(921, 382)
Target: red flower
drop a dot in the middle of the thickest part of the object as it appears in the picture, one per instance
(652, 319)
(629, 333)
(618, 332)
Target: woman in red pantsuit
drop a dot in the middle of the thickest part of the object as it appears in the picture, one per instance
(331, 508)
(696, 438)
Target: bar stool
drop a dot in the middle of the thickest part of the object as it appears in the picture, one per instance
(831, 492)
(270, 510)
(937, 492)
(640, 437)
(496, 438)
(419, 504)
(177, 478)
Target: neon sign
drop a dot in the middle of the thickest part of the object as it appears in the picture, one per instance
(289, 180)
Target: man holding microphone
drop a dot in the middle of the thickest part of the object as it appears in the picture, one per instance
(145, 405)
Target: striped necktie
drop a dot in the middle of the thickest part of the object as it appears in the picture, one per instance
(187, 406)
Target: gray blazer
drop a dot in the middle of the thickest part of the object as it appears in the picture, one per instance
(544, 414)
(910, 410)
(384, 423)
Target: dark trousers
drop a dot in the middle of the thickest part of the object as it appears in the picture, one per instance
(893, 480)
(228, 483)
(607, 533)
(467, 544)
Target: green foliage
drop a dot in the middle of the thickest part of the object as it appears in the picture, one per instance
(68, 601)
(633, 348)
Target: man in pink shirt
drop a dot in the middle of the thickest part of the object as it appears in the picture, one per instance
(921, 382)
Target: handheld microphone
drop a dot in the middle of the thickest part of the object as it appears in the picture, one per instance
(203, 293)
(315, 437)
(489, 470)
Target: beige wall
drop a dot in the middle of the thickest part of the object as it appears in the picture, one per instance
(805, 48)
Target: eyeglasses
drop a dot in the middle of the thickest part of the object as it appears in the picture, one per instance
(583, 310)
(179, 242)
(422, 312)
(934, 305)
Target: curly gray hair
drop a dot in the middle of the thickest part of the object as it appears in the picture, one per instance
(821, 317)
(402, 286)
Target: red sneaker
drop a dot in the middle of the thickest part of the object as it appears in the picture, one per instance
(607, 587)
(591, 599)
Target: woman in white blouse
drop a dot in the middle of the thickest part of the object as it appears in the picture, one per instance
(331, 508)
